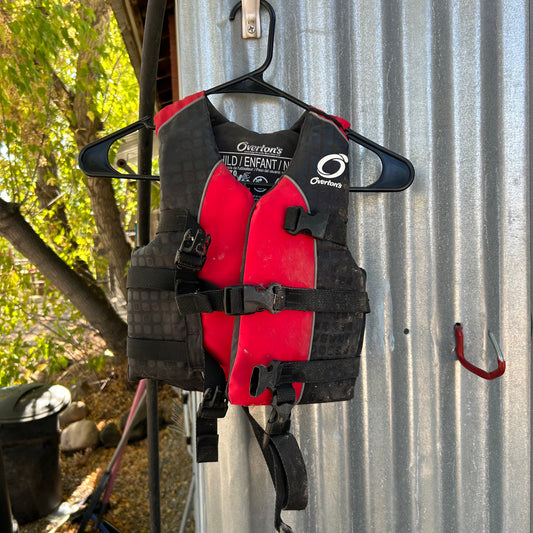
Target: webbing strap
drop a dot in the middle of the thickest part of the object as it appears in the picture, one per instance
(279, 373)
(159, 279)
(174, 220)
(214, 406)
(206, 440)
(157, 350)
(248, 299)
(287, 470)
(326, 300)
(190, 299)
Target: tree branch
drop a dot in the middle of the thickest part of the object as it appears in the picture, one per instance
(87, 297)
(61, 88)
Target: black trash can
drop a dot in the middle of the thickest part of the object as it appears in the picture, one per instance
(7, 523)
(29, 436)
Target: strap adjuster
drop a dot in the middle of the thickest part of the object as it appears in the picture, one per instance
(279, 421)
(249, 299)
(192, 253)
(214, 404)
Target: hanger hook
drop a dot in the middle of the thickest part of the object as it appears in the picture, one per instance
(271, 29)
(458, 329)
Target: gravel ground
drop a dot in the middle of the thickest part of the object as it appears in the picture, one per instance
(108, 399)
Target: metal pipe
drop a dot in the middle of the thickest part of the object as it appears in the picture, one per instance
(153, 456)
(150, 55)
(188, 505)
(149, 60)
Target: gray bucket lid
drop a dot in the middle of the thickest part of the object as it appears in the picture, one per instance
(31, 401)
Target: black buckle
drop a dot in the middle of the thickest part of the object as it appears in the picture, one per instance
(214, 404)
(192, 253)
(297, 220)
(276, 374)
(265, 377)
(249, 299)
(279, 420)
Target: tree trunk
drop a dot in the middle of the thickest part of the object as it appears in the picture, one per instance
(110, 230)
(87, 124)
(87, 297)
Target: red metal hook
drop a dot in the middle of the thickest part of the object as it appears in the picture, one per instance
(458, 329)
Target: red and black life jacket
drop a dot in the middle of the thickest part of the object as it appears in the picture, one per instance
(248, 291)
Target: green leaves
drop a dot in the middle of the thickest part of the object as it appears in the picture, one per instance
(55, 57)
(39, 327)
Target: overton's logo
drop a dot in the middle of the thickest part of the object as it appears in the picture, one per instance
(336, 168)
(341, 159)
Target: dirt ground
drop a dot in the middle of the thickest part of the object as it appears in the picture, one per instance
(108, 398)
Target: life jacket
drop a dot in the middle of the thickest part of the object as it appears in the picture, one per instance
(248, 291)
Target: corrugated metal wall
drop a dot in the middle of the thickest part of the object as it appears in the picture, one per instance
(425, 445)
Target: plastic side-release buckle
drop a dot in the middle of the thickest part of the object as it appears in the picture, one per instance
(249, 299)
(297, 220)
(192, 253)
(265, 377)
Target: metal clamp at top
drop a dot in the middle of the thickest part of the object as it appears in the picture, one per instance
(251, 20)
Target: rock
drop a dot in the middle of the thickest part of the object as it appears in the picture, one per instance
(79, 390)
(75, 411)
(80, 435)
(110, 435)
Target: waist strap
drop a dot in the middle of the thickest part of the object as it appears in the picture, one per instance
(248, 299)
(154, 278)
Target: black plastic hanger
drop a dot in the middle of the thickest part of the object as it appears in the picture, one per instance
(253, 82)
(94, 158)
(397, 172)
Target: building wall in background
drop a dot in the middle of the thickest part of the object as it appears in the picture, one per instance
(425, 446)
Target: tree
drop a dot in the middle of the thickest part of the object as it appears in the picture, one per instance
(66, 80)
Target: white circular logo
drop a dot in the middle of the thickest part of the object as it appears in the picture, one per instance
(340, 159)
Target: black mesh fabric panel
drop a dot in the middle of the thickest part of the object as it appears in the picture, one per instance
(187, 157)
